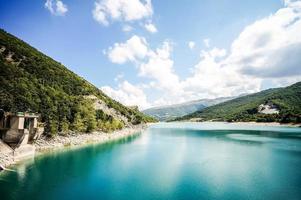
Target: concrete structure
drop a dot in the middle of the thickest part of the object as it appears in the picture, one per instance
(18, 131)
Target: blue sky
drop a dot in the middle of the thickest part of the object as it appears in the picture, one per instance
(107, 43)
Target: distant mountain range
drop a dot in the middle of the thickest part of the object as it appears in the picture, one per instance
(283, 104)
(165, 113)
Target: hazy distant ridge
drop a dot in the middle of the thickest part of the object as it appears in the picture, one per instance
(170, 112)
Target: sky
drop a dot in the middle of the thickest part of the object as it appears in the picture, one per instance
(154, 52)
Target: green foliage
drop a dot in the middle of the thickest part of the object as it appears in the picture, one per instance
(32, 81)
(78, 123)
(53, 127)
(166, 113)
(109, 126)
(64, 125)
(287, 100)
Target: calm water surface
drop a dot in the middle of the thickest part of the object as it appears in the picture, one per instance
(169, 161)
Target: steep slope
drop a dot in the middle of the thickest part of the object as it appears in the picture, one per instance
(286, 100)
(165, 113)
(32, 81)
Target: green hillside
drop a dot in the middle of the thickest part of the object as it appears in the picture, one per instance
(173, 111)
(32, 81)
(287, 100)
(170, 112)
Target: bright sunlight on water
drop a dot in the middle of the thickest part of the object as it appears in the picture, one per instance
(169, 161)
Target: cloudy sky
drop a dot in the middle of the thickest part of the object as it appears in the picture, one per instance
(155, 52)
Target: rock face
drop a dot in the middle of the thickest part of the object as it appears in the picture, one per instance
(268, 108)
(6, 154)
(101, 105)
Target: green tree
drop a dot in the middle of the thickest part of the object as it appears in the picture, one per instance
(78, 124)
(53, 127)
(64, 125)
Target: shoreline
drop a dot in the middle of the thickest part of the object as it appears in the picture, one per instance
(247, 123)
(267, 124)
(45, 145)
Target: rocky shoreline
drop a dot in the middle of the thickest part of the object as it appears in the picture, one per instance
(46, 144)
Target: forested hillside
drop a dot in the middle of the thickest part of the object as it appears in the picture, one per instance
(287, 100)
(32, 81)
(170, 112)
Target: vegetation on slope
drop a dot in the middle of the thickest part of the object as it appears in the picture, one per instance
(287, 100)
(171, 112)
(32, 81)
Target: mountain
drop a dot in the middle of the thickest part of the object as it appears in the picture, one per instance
(165, 113)
(278, 104)
(31, 81)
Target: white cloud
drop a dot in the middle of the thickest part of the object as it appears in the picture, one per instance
(270, 47)
(210, 79)
(154, 64)
(267, 52)
(123, 10)
(191, 44)
(207, 42)
(150, 28)
(159, 67)
(127, 94)
(56, 8)
(133, 49)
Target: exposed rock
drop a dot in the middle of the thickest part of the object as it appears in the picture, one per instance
(268, 108)
(100, 105)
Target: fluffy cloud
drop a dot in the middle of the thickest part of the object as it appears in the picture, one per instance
(150, 28)
(154, 64)
(211, 79)
(191, 44)
(56, 7)
(133, 49)
(122, 10)
(128, 94)
(159, 66)
(265, 52)
(270, 47)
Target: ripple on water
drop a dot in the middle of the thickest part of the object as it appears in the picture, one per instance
(250, 138)
(288, 144)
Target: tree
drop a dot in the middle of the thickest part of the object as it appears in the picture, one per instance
(64, 125)
(53, 127)
(78, 124)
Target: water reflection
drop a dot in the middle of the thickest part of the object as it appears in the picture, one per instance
(168, 163)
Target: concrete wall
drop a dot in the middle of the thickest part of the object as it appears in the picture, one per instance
(17, 123)
(21, 123)
(35, 123)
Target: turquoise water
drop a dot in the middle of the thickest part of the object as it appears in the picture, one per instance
(169, 161)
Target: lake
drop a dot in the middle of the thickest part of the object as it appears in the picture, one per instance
(169, 161)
